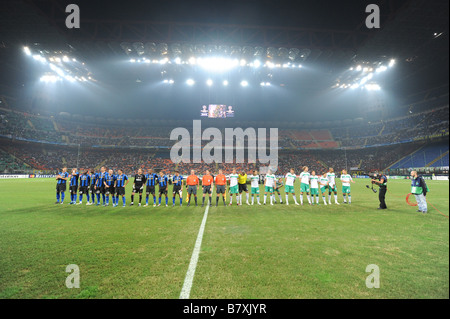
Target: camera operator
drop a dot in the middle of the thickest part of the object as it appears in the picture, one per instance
(381, 181)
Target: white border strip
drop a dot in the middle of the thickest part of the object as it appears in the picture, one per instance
(186, 290)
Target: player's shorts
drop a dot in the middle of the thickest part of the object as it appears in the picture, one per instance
(255, 190)
(84, 190)
(234, 189)
(314, 191)
(192, 190)
(109, 190)
(61, 187)
(150, 190)
(220, 189)
(163, 190)
(304, 188)
(138, 189)
(100, 190)
(268, 189)
(288, 189)
(207, 189)
(345, 189)
(332, 188)
(120, 191)
(323, 189)
(176, 189)
(73, 189)
(242, 188)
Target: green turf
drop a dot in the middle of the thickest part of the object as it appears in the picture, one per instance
(247, 252)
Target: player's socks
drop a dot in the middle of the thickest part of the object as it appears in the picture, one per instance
(132, 198)
(98, 199)
(103, 198)
(329, 198)
(81, 198)
(123, 200)
(301, 199)
(324, 200)
(317, 199)
(167, 200)
(173, 201)
(57, 197)
(309, 198)
(181, 200)
(159, 200)
(62, 196)
(195, 197)
(117, 200)
(265, 197)
(349, 199)
(287, 199)
(203, 201)
(140, 199)
(335, 199)
(107, 200)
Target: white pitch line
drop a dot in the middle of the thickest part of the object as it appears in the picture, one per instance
(186, 290)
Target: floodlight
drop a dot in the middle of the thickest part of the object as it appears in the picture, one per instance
(209, 82)
(190, 82)
(244, 83)
(225, 83)
(27, 50)
(391, 63)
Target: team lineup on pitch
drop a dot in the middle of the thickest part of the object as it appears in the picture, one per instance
(102, 185)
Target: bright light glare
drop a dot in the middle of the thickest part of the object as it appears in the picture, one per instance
(381, 69)
(391, 63)
(372, 87)
(190, 82)
(217, 64)
(225, 83)
(50, 78)
(209, 82)
(244, 83)
(65, 59)
(257, 63)
(27, 50)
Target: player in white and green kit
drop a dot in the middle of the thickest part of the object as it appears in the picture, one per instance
(254, 179)
(346, 179)
(314, 180)
(304, 184)
(332, 186)
(289, 186)
(234, 187)
(276, 189)
(323, 183)
(268, 186)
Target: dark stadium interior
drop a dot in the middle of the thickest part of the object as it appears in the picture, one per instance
(123, 116)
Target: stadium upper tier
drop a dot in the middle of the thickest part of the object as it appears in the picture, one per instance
(75, 130)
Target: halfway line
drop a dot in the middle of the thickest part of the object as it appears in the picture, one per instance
(186, 290)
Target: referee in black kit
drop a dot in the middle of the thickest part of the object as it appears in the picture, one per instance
(381, 181)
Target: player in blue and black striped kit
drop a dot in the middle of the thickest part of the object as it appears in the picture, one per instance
(85, 181)
(100, 185)
(177, 181)
(109, 187)
(120, 185)
(61, 185)
(73, 187)
(163, 181)
(93, 177)
(151, 179)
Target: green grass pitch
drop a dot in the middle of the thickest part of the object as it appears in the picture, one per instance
(247, 252)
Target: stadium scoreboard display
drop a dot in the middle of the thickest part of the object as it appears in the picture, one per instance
(217, 111)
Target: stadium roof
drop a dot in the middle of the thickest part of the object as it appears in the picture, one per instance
(414, 32)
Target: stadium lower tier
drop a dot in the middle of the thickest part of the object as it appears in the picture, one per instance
(26, 157)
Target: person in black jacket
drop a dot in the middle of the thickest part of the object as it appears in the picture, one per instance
(381, 181)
